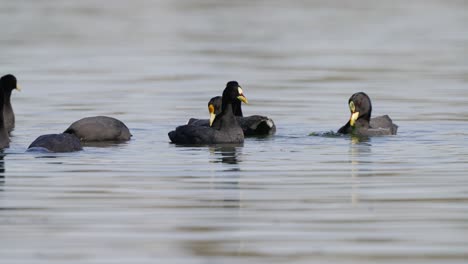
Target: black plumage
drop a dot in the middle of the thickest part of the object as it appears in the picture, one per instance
(9, 83)
(255, 125)
(99, 128)
(56, 143)
(225, 128)
(361, 123)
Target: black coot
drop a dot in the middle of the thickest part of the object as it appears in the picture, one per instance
(255, 125)
(224, 129)
(5, 83)
(361, 123)
(9, 83)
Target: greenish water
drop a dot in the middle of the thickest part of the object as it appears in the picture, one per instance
(290, 198)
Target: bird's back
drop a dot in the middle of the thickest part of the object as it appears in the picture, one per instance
(384, 123)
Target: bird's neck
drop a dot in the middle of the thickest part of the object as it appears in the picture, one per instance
(237, 108)
(2, 103)
(227, 112)
(366, 117)
(7, 94)
(226, 118)
(7, 99)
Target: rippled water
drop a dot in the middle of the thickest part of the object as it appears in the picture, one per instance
(289, 198)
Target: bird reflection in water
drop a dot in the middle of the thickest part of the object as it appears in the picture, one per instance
(2, 167)
(360, 148)
(356, 139)
(226, 201)
(227, 179)
(226, 153)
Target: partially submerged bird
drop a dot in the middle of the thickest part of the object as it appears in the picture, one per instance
(224, 127)
(89, 129)
(99, 128)
(56, 143)
(255, 125)
(8, 83)
(360, 122)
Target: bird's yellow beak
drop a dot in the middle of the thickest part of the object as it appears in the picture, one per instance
(18, 88)
(354, 117)
(212, 118)
(212, 114)
(242, 99)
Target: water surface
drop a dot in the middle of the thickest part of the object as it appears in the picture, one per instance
(289, 198)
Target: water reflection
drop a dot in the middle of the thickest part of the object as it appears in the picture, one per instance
(227, 182)
(227, 154)
(356, 139)
(359, 148)
(229, 179)
(227, 190)
(2, 166)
